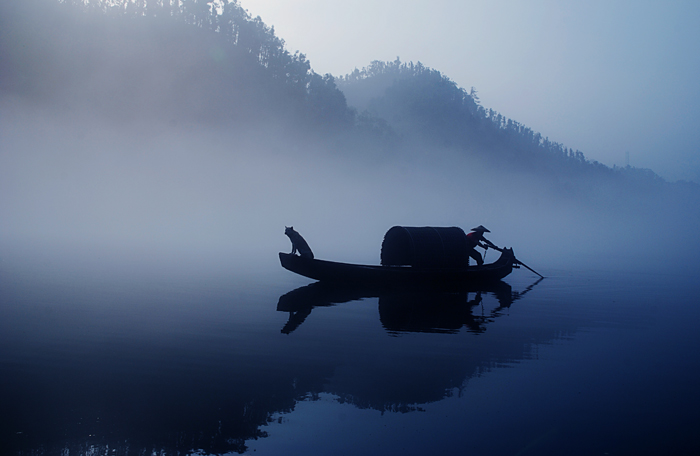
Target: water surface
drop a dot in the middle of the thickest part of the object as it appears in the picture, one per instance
(177, 354)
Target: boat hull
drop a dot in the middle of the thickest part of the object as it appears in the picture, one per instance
(356, 274)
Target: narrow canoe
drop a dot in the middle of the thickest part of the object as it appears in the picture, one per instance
(331, 271)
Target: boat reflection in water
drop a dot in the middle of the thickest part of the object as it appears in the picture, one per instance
(407, 309)
(171, 372)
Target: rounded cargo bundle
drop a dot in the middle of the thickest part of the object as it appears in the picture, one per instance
(425, 247)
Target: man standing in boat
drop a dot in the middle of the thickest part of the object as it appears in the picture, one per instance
(476, 239)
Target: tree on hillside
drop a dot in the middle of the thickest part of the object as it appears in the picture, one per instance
(327, 103)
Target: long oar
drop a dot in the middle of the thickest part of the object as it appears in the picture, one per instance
(517, 261)
(528, 267)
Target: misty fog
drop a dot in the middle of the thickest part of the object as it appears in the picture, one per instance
(152, 154)
(104, 147)
(197, 189)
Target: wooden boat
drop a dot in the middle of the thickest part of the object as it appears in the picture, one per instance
(334, 272)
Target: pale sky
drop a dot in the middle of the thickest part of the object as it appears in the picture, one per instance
(601, 76)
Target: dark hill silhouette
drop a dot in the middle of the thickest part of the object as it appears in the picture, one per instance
(151, 60)
(420, 102)
(427, 110)
(136, 61)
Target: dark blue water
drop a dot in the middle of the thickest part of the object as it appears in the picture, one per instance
(176, 354)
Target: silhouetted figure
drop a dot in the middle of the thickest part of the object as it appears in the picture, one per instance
(298, 243)
(476, 239)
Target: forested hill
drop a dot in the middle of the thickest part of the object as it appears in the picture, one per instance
(147, 59)
(421, 103)
(198, 61)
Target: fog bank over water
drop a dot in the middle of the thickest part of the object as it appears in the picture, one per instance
(178, 140)
(86, 184)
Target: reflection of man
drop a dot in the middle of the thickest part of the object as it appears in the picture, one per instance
(476, 301)
(476, 239)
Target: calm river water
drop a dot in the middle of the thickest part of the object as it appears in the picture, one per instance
(177, 355)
